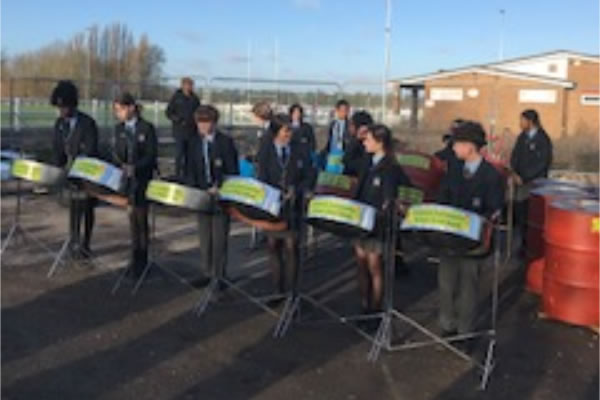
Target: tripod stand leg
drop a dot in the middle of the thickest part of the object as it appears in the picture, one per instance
(59, 257)
(202, 305)
(290, 308)
(381, 339)
(141, 278)
(119, 280)
(11, 234)
(488, 365)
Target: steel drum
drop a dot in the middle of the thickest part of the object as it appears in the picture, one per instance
(334, 162)
(335, 184)
(410, 195)
(5, 170)
(36, 172)
(340, 216)
(100, 179)
(253, 202)
(177, 195)
(424, 171)
(453, 231)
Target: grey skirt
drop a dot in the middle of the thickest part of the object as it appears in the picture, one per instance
(370, 244)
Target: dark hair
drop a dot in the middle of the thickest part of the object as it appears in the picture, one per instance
(470, 131)
(278, 121)
(361, 118)
(127, 99)
(531, 115)
(65, 94)
(263, 110)
(206, 113)
(298, 107)
(342, 102)
(382, 134)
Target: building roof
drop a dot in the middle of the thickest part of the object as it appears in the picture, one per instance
(496, 69)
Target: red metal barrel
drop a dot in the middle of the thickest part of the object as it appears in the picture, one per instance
(570, 292)
(424, 171)
(539, 199)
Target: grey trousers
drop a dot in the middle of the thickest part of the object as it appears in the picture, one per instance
(458, 281)
(213, 230)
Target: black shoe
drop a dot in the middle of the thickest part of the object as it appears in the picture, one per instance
(448, 333)
(201, 282)
(276, 301)
(86, 253)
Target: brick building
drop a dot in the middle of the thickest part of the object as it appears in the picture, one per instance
(562, 86)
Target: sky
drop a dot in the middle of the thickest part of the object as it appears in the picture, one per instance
(340, 40)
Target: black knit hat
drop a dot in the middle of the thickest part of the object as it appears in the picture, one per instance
(470, 131)
(64, 95)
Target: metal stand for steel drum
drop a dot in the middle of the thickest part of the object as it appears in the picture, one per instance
(292, 309)
(64, 255)
(153, 260)
(18, 230)
(221, 282)
(383, 339)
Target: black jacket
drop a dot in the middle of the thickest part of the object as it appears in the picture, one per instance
(82, 141)
(180, 111)
(353, 157)
(483, 193)
(378, 184)
(346, 138)
(141, 151)
(531, 158)
(305, 135)
(297, 172)
(224, 161)
(297, 175)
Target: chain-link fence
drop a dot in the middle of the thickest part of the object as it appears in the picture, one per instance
(418, 114)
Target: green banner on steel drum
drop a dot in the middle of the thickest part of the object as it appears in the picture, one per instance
(342, 182)
(98, 172)
(446, 219)
(176, 195)
(347, 216)
(410, 195)
(34, 171)
(251, 192)
(413, 160)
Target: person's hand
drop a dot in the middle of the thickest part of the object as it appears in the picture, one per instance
(213, 190)
(517, 179)
(401, 207)
(288, 194)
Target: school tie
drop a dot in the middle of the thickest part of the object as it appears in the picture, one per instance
(284, 156)
(207, 162)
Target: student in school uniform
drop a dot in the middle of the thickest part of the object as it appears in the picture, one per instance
(212, 156)
(355, 151)
(530, 159)
(302, 132)
(474, 185)
(262, 114)
(285, 165)
(338, 135)
(75, 134)
(447, 153)
(135, 148)
(377, 187)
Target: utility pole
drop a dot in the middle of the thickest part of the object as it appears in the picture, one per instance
(386, 65)
(501, 41)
